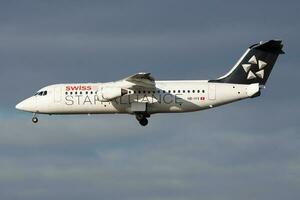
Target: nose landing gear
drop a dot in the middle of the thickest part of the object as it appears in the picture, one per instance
(35, 119)
(142, 118)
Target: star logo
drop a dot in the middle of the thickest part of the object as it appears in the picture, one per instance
(254, 62)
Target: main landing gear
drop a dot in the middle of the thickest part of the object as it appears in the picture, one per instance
(142, 118)
(35, 119)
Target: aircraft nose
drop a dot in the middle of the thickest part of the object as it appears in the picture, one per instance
(26, 105)
(19, 106)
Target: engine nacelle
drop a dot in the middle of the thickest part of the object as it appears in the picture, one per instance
(110, 93)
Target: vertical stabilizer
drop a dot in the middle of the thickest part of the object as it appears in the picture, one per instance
(255, 65)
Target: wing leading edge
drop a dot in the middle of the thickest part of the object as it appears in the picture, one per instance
(141, 79)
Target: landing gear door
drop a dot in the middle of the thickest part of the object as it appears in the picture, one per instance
(138, 107)
(57, 94)
(211, 91)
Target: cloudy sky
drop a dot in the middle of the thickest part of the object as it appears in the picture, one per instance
(247, 150)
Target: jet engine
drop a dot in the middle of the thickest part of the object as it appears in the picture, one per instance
(110, 93)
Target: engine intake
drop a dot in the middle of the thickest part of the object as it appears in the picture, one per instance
(110, 93)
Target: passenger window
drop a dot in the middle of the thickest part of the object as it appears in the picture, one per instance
(203, 91)
(91, 92)
(188, 91)
(86, 92)
(183, 91)
(193, 91)
(66, 93)
(178, 91)
(198, 91)
(45, 93)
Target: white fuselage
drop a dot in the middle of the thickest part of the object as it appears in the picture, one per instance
(166, 97)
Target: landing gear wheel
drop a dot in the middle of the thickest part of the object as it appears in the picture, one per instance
(139, 117)
(142, 118)
(144, 122)
(35, 120)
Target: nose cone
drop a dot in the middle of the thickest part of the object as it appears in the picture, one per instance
(27, 105)
(19, 106)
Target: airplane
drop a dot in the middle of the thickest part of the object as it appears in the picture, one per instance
(141, 95)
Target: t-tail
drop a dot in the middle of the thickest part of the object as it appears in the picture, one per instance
(255, 65)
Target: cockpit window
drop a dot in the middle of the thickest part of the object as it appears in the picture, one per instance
(42, 93)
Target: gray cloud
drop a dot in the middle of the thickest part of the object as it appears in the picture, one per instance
(150, 164)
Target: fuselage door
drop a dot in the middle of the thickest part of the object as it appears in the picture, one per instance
(57, 94)
(211, 91)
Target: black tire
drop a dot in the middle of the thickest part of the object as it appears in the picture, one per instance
(144, 122)
(139, 117)
(35, 120)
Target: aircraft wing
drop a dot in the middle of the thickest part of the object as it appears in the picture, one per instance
(142, 79)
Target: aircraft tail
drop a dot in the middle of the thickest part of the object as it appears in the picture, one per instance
(255, 65)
